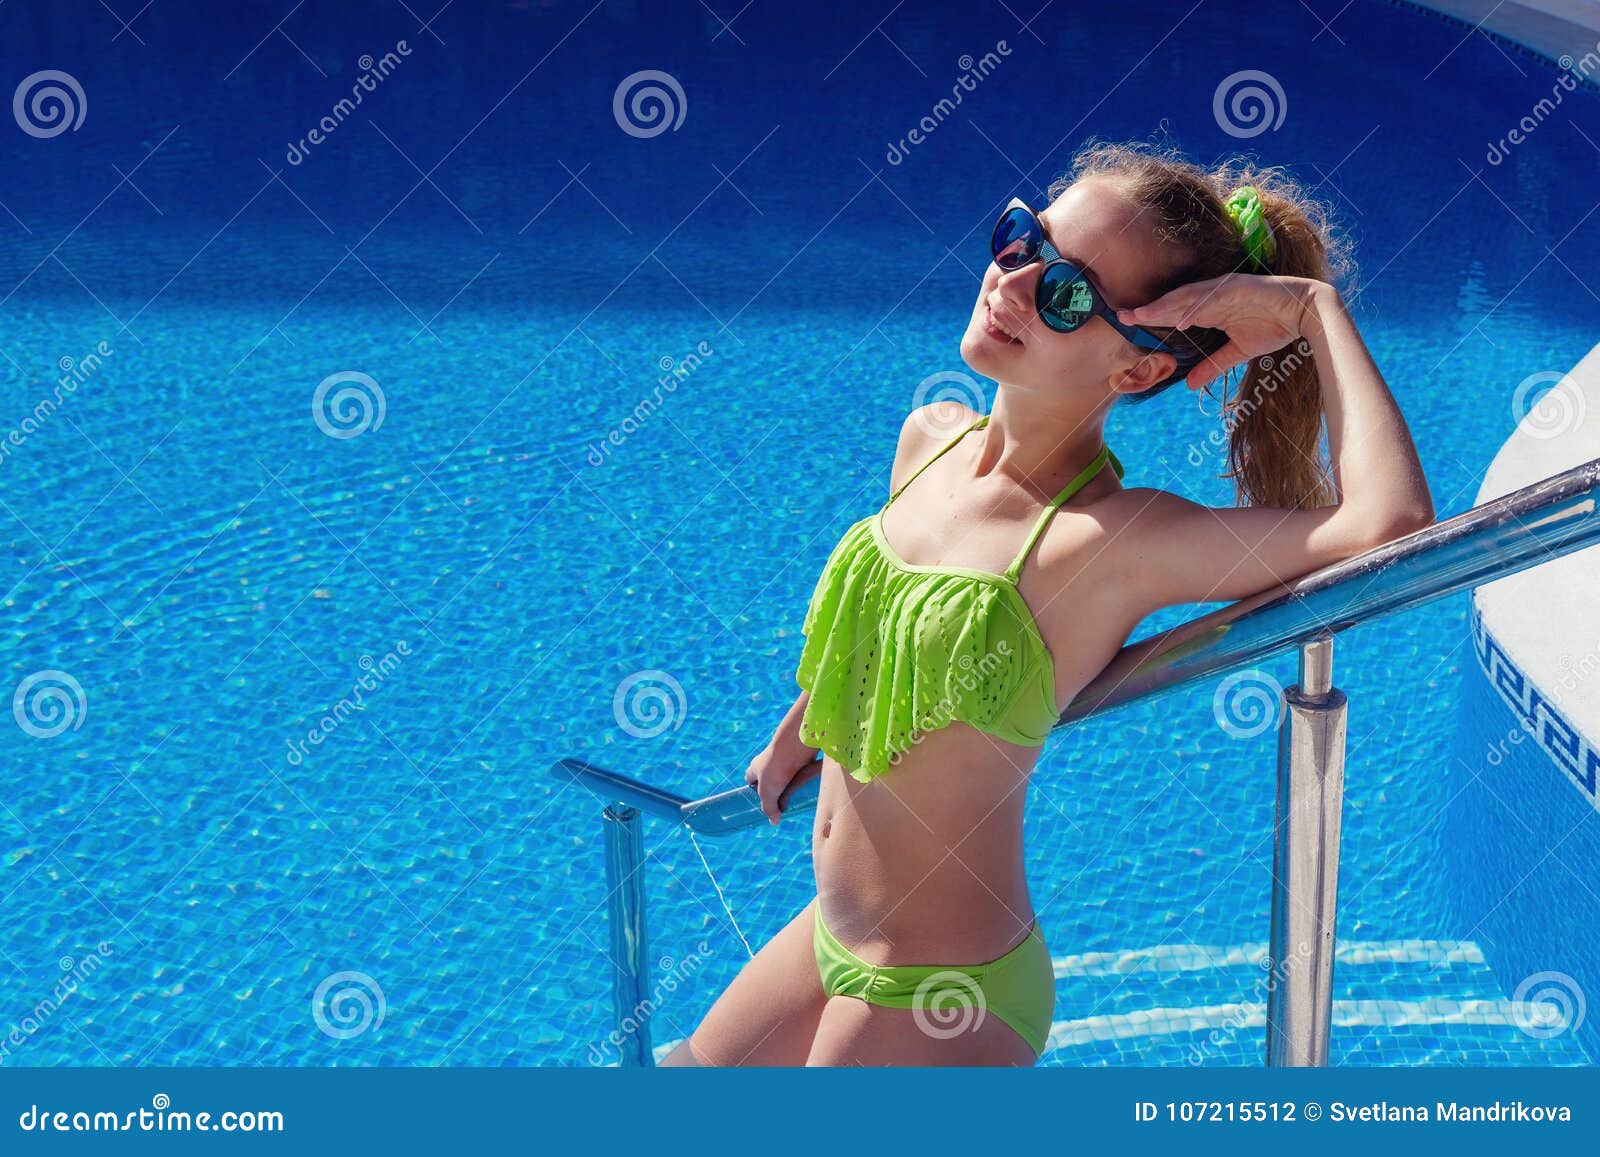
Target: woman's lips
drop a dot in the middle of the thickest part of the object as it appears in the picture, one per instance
(995, 331)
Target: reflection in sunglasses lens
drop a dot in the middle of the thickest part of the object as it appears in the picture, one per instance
(1015, 240)
(1065, 299)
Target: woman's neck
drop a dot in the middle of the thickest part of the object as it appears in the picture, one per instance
(1039, 445)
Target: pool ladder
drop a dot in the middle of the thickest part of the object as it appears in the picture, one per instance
(1536, 524)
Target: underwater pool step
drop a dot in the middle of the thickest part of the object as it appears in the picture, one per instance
(1196, 975)
(1433, 1030)
(1194, 957)
(1108, 995)
(1430, 1001)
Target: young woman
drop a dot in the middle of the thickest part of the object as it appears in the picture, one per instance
(949, 630)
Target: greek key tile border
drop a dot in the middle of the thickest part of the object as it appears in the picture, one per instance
(1575, 754)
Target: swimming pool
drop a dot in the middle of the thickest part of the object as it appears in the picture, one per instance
(216, 564)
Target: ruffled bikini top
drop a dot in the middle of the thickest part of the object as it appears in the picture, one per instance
(893, 651)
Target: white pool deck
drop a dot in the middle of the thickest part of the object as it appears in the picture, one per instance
(1548, 617)
(1553, 28)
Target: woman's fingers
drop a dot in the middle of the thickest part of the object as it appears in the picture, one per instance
(1187, 305)
(1214, 366)
(806, 774)
(1218, 303)
(768, 789)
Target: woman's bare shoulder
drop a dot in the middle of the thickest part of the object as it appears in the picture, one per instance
(924, 431)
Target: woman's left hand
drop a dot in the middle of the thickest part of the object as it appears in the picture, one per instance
(1260, 315)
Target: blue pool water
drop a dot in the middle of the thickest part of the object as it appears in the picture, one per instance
(481, 240)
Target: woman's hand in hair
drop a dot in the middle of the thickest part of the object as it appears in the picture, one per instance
(1260, 315)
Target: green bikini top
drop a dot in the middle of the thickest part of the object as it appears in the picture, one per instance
(893, 651)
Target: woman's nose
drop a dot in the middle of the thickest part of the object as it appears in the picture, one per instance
(1023, 277)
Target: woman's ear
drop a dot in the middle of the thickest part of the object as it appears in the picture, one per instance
(1144, 371)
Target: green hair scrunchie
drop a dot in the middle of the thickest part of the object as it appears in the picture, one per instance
(1244, 206)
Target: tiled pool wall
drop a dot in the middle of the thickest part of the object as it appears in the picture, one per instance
(1522, 842)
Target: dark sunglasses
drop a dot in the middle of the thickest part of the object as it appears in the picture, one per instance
(1066, 297)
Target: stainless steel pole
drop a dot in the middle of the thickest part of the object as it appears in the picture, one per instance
(1305, 861)
(625, 886)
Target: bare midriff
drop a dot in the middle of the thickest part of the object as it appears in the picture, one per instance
(924, 864)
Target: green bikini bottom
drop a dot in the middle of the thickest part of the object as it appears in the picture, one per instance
(1019, 988)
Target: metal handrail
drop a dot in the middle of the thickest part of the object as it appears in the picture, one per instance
(715, 815)
(1545, 520)
(1537, 523)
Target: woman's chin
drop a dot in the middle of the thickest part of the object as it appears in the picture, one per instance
(974, 353)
